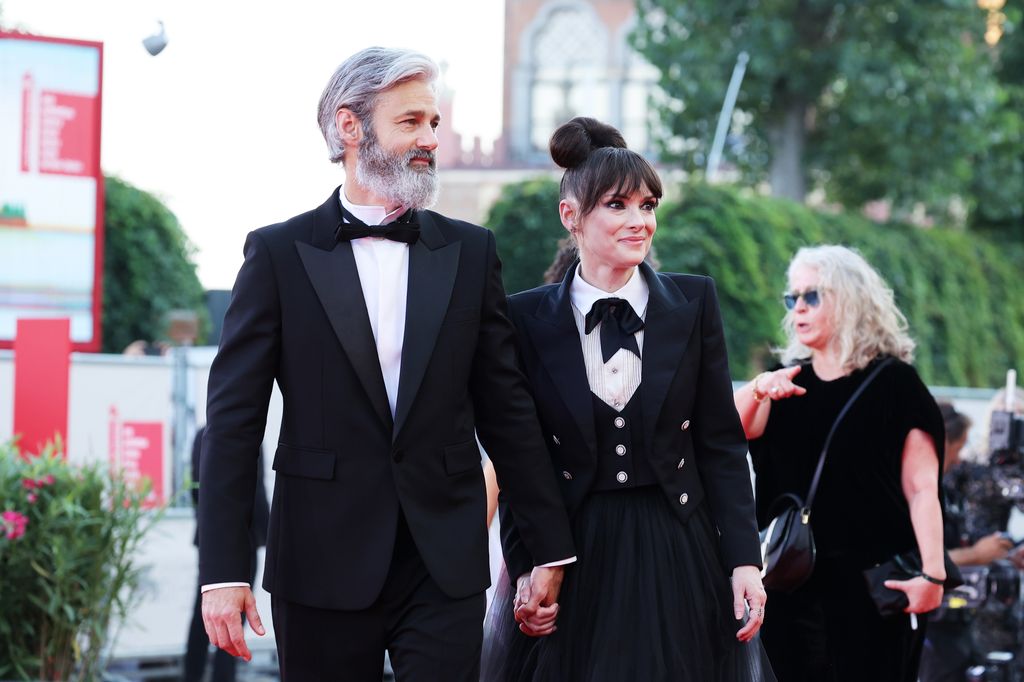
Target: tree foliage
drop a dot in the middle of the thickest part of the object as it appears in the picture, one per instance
(147, 267)
(525, 220)
(890, 99)
(962, 293)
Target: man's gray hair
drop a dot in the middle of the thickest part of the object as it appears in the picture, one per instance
(358, 82)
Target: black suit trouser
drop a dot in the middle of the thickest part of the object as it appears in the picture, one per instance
(428, 635)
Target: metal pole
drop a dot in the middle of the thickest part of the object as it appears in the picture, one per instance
(715, 157)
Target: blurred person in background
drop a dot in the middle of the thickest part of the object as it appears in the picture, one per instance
(879, 492)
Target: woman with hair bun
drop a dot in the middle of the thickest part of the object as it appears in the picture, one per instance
(629, 373)
(878, 494)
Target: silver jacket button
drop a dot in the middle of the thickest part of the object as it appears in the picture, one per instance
(566, 475)
(621, 477)
(684, 498)
(685, 425)
(619, 422)
(620, 450)
(555, 438)
(681, 463)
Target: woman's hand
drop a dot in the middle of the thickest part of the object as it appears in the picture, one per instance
(778, 384)
(989, 548)
(747, 591)
(924, 596)
(535, 619)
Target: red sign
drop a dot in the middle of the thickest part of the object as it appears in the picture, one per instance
(42, 362)
(67, 145)
(137, 452)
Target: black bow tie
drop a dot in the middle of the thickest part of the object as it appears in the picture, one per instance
(400, 230)
(619, 322)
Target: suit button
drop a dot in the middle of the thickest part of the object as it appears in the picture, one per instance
(681, 463)
(620, 450)
(684, 498)
(555, 439)
(685, 425)
(619, 422)
(622, 477)
(566, 475)
(397, 455)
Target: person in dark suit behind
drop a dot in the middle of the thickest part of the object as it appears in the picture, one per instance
(197, 648)
(386, 327)
(628, 367)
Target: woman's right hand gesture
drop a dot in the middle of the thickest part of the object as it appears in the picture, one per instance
(778, 384)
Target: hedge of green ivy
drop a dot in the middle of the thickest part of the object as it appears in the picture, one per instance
(147, 268)
(962, 293)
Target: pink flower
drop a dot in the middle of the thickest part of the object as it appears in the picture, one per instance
(32, 497)
(28, 483)
(46, 480)
(14, 524)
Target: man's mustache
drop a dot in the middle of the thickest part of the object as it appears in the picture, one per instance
(421, 155)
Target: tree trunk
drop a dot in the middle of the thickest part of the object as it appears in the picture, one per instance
(787, 137)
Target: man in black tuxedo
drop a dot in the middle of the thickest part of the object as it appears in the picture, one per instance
(385, 326)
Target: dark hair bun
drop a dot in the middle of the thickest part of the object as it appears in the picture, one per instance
(572, 143)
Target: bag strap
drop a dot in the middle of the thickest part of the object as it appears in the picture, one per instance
(835, 424)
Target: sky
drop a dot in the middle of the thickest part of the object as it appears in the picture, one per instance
(221, 125)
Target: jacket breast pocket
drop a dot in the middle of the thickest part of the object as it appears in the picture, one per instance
(304, 462)
(461, 458)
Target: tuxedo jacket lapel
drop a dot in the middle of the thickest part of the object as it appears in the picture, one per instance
(331, 268)
(433, 266)
(555, 335)
(667, 327)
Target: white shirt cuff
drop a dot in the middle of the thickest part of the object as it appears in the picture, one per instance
(217, 586)
(563, 562)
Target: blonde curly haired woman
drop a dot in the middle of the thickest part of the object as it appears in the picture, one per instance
(879, 490)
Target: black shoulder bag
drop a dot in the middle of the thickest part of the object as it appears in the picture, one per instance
(787, 543)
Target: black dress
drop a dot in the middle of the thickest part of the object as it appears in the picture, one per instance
(829, 629)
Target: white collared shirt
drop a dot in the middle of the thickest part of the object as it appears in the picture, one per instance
(614, 381)
(383, 267)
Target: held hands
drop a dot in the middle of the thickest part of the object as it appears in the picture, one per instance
(776, 385)
(747, 591)
(536, 608)
(924, 596)
(222, 609)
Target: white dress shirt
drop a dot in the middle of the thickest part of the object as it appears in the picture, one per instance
(614, 381)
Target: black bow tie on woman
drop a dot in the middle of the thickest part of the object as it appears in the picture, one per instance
(400, 230)
(619, 322)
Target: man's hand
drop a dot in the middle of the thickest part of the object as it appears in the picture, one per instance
(991, 547)
(222, 609)
(536, 606)
(747, 590)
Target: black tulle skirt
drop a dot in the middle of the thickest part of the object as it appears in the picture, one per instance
(647, 600)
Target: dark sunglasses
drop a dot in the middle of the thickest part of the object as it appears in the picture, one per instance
(811, 297)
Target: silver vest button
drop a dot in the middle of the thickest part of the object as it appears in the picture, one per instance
(566, 475)
(684, 498)
(621, 477)
(555, 438)
(619, 422)
(685, 425)
(620, 450)
(681, 463)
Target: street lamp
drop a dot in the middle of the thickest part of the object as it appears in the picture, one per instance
(994, 21)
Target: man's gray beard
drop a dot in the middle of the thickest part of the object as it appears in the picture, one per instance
(390, 177)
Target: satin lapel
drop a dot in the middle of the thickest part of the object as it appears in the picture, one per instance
(336, 281)
(433, 266)
(667, 327)
(553, 332)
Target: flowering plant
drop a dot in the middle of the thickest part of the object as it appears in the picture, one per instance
(68, 541)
